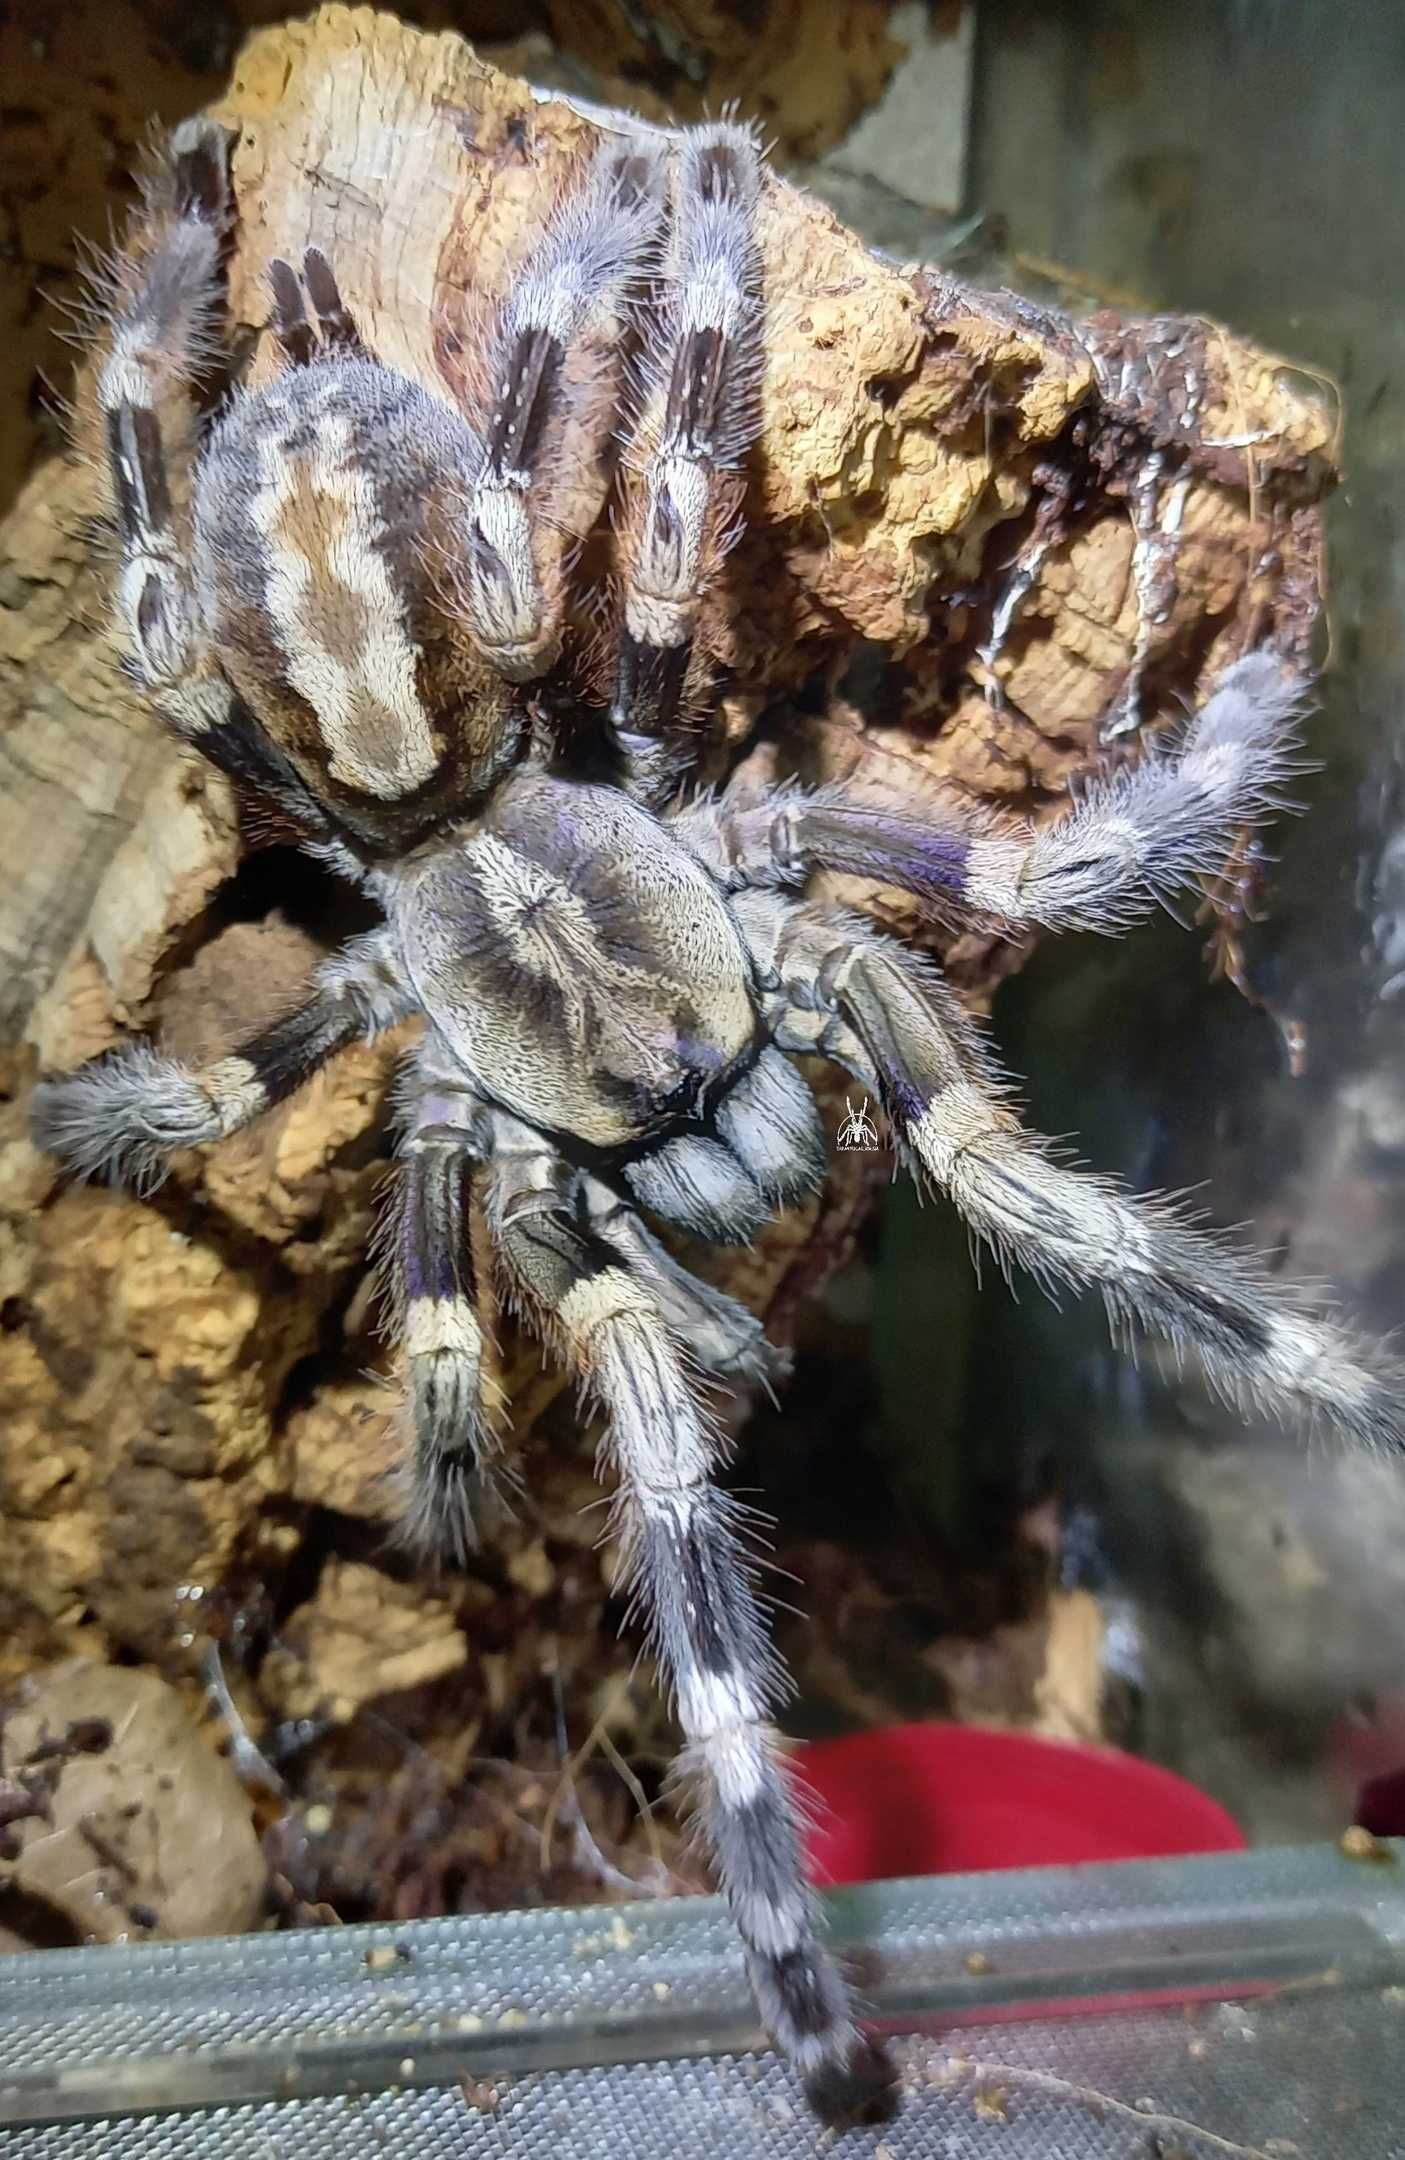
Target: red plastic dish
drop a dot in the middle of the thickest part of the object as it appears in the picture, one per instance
(938, 1799)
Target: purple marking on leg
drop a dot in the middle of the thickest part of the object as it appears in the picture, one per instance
(434, 1246)
(428, 1273)
(898, 850)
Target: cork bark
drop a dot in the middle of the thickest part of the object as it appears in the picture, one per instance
(985, 547)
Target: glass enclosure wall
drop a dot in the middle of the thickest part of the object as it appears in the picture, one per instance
(1244, 160)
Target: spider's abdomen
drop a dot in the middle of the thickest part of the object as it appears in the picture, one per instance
(326, 514)
(584, 969)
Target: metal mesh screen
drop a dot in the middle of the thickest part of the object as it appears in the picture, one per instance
(1246, 2005)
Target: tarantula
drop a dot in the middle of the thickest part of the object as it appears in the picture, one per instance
(347, 594)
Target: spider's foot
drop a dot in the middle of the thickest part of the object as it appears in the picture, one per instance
(443, 1504)
(119, 1117)
(450, 1485)
(857, 2094)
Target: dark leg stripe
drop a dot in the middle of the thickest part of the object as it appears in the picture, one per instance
(337, 324)
(901, 851)
(435, 1242)
(449, 1473)
(288, 1052)
(294, 331)
(138, 472)
(126, 481)
(719, 174)
(649, 685)
(695, 393)
(200, 172)
(908, 1068)
(702, 1591)
(531, 371)
(634, 179)
(238, 746)
(554, 1255)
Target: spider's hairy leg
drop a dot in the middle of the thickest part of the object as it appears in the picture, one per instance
(694, 1584)
(890, 1019)
(523, 518)
(701, 412)
(722, 1336)
(160, 315)
(160, 330)
(121, 1115)
(427, 1275)
(1127, 842)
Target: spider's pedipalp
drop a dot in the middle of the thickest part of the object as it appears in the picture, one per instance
(452, 1467)
(770, 1121)
(902, 1031)
(122, 1115)
(1126, 843)
(701, 413)
(695, 1588)
(521, 523)
(700, 1185)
